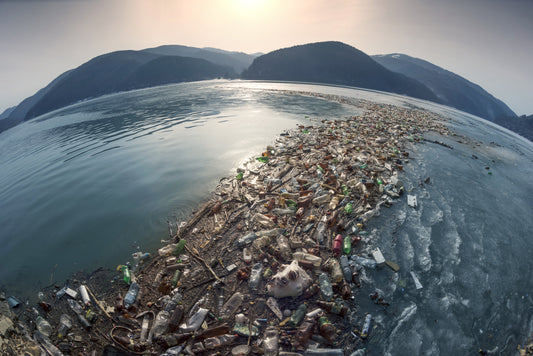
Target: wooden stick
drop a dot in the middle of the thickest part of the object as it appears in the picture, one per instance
(204, 263)
(98, 303)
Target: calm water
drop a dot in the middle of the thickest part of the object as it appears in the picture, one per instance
(88, 185)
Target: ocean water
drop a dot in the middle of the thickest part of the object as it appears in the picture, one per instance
(87, 185)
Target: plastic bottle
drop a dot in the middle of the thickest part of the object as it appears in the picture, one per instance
(245, 240)
(176, 278)
(320, 231)
(323, 199)
(194, 321)
(231, 306)
(325, 286)
(271, 341)
(160, 326)
(171, 304)
(283, 245)
(324, 352)
(45, 342)
(348, 208)
(297, 316)
(345, 267)
(65, 323)
(287, 211)
(246, 255)
(179, 247)
(255, 275)
(365, 262)
(315, 260)
(125, 273)
(366, 326)
(43, 326)
(273, 305)
(131, 296)
(347, 245)
(327, 330)
(215, 342)
(84, 295)
(333, 203)
(334, 269)
(337, 245)
(76, 308)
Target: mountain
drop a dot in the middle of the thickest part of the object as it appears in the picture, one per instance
(238, 61)
(451, 89)
(333, 63)
(522, 125)
(114, 72)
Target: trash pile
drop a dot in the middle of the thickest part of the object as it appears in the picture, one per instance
(269, 265)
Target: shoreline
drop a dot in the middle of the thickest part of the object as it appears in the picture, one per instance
(231, 213)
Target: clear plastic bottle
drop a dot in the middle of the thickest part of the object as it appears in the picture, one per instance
(325, 286)
(345, 267)
(215, 342)
(315, 260)
(194, 321)
(160, 326)
(284, 248)
(131, 296)
(255, 275)
(43, 326)
(320, 232)
(65, 323)
(334, 269)
(271, 341)
(231, 306)
(245, 240)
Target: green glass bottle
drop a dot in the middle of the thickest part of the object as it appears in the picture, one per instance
(176, 278)
(347, 245)
(298, 315)
(348, 208)
(180, 246)
(262, 159)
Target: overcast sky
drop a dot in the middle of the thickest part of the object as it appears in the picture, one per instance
(489, 42)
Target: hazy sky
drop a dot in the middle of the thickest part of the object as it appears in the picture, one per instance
(489, 42)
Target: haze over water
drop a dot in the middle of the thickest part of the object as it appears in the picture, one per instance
(84, 186)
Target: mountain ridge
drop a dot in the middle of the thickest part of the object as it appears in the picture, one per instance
(452, 89)
(329, 62)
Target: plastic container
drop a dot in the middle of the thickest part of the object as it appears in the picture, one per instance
(271, 341)
(315, 260)
(345, 267)
(334, 269)
(65, 323)
(366, 326)
(131, 295)
(255, 275)
(325, 286)
(320, 232)
(179, 247)
(160, 326)
(231, 306)
(284, 248)
(84, 296)
(347, 245)
(297, 316)
(43, 326)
